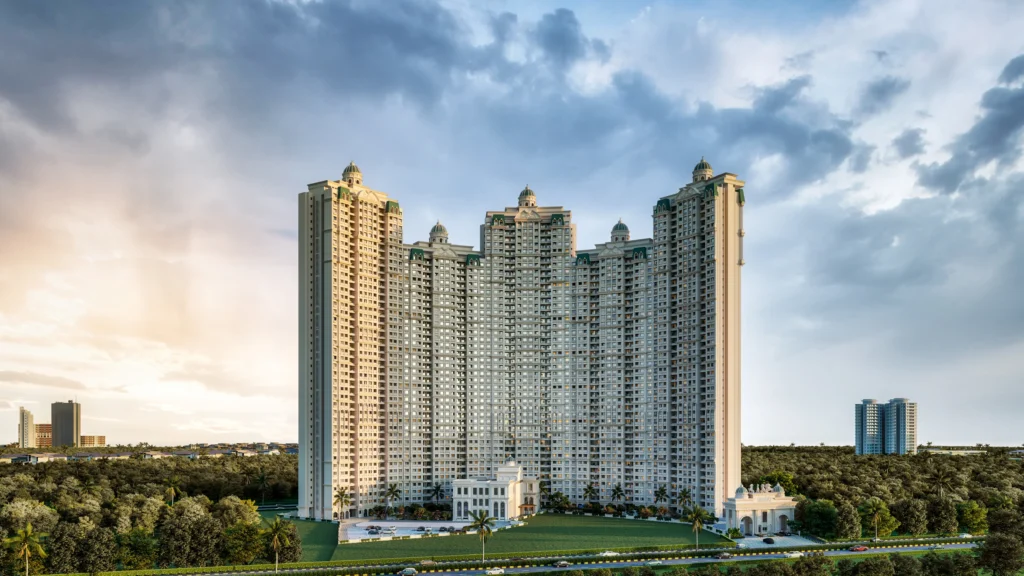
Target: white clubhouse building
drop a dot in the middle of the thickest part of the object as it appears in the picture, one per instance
(760, 509)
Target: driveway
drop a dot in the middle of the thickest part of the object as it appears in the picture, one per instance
(754, 543)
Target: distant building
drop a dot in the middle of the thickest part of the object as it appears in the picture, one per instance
(506, 496)
(948, 452)
(760, 510)
(26, 429)
(66, 418)
(44, 435)
(93, 442)
(886, 428)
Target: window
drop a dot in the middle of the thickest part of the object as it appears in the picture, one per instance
(764, 516)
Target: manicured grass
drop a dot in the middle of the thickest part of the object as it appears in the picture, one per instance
(319, 539)
(555, 532)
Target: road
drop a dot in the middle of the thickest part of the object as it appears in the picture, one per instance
(747, 557)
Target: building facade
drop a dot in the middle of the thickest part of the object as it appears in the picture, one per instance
(431, 363)
(26, 429)
(507, 495)
(93, 442)
(66, 420)
(44, 435)
(760, 510)
(889, 428)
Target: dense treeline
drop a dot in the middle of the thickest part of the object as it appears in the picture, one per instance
(843, 495)
(134, 514)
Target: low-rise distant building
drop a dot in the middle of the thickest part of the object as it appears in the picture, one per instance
(270, 452)
(44, 436)
(152, 455)
(760, 510)
(953, 452)
(93, 442)
(507, 496)
(38, 458)
(245, 453)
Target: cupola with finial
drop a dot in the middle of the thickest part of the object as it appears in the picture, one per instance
(527, 197)
(620, 232)
(352, 176)
(702, 171)
(439, 233)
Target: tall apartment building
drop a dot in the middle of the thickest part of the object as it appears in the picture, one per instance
(44, 435)
(26, 429)
(889, 428)
(66, 419)
(428, 362)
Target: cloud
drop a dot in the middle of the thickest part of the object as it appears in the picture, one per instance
(993, 137)
(37, 379)
(879, 94)
(860, 160)
(909, 143)
(7, 405)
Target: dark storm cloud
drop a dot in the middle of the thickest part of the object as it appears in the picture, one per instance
(879, 94)
(860, 160)
(559, 35)
(909, 143)
(994, 137)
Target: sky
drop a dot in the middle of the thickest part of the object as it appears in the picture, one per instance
(151, 154)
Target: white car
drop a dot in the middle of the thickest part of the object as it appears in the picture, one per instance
(653, 563)
(495, 572)
(966, 535)
(793, 555)
(608, 554)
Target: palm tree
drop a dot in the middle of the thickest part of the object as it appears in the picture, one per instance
(277, 531)
(173, 488)
(342, 499)
(683, 498)
(590, 492)
(618, 493)
(26, 543)
(483, 524)
(873, 508)
(661, 494)
(262, 484)
(392, 494)
(697, 516)
(437, 492)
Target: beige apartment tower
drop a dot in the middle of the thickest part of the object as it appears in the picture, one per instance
(430, 362)
(26, 429)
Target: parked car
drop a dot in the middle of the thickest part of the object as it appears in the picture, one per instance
(794, 555)
(723, 555)
(653, 563)
(561, 564)
(741, 545)
(410, 571)
(784, 533)
(392, 528)
(608, 554)
(453, 529)
(421, 529)
(495, 572)
(769, 540)
(858, 548)
(373, 532)
(442, 529)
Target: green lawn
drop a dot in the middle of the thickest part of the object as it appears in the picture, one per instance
(554, 532)
(319, 539)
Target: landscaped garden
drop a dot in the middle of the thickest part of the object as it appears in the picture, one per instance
(543, 533)
(318, 538)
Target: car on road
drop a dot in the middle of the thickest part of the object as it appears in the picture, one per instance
(421, 529)
(495, 572)
(653, 563)
(769, 540)
(793, 555)
(741, 545)
(561, 564)
(410, 571)
(936, 547)
(966, 535)
(723, 555)
(858, 548)
(427, 563)
(608, 554)
(373, 532)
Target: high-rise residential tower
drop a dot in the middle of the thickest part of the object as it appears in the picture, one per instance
(889, 428)
(428, 362)
(901, 426)
(26, 429)
(66, 419)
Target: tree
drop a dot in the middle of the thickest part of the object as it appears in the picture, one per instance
(683, 498)
(63, 544)
(342, 499)
(590, 492)
(437, 492)
(847, 521)
(618, 493)
(232, 510)
(874, 513)
(483, 524)
(912, 515)
(813, 565)
(243, 543)
(138, 550)
(1003, 521)
(784, 479)
(173, 485)
(277, 538)
(189, 535)
(943, 516)
(875, 566)
(25, 544)
(1002, 554)
(904, 565)
(98, 551)
(972, 516)
(661, 494)
(697, 516)
(22, 512)
(817, 516)
(262, 484)
(292, 549)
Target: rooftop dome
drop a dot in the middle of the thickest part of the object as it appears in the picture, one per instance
(526, 192)
(702, 165)
(620, 232)
(438, 228)
(620, 227)
(741, 492)
(350, 169)
(527, 197)
(702, 171)
(778, 488)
